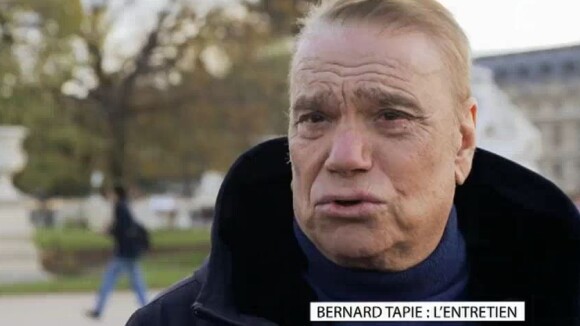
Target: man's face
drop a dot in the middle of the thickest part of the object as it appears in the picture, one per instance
(376, 145)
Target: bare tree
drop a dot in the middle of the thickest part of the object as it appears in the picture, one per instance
(163, 56)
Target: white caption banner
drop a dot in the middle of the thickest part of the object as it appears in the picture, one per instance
(417, 311)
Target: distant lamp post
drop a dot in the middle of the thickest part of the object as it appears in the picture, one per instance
(97, 178)
(95, 209)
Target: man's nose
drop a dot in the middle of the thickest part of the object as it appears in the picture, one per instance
(350, 153)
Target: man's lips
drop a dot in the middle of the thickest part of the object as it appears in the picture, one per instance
(345, 198)
(349, 205)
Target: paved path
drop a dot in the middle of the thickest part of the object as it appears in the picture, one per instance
(64, 309)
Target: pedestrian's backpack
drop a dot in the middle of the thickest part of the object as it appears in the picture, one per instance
(140, 236)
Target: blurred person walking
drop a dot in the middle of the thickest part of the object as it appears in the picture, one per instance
(131, 241)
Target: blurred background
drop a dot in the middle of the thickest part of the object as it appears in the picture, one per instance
(163, 95)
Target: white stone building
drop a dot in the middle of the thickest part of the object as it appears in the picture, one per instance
(546, 85)
(502, 127)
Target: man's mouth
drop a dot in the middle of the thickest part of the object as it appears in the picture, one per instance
(352, 206)
(347, 202)
(349, 199)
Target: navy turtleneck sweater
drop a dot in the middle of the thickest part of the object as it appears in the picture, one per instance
(441, 277)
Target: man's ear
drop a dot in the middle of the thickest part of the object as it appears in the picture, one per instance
(466, 150)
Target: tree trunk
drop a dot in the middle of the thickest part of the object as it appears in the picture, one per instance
(118, 147)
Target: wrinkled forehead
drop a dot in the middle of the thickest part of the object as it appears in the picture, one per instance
(347, 50)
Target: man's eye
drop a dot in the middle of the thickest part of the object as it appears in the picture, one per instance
(313, 117)
(390, 115)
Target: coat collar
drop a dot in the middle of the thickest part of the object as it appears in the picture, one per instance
(254, 270)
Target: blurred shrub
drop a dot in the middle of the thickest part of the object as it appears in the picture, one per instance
(78, 239)
(74, 251)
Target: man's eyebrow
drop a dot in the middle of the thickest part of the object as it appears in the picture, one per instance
(389, 99)
(310, 102)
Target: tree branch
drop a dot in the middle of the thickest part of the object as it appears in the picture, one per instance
(142, 60)
(97, 62)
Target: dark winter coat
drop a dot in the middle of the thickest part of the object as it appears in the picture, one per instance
(123, 232)
(522, 236)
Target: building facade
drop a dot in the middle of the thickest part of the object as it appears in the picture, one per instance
(545, 84)
(502, 127)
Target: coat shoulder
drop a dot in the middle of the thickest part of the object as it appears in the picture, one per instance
(173, 307)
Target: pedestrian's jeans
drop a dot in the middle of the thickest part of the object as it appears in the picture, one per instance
(116, 266)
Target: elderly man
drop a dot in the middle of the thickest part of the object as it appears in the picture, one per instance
(379, 193)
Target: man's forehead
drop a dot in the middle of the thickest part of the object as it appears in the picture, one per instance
(357, 45)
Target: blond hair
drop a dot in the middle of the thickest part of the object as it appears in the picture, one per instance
(427, 16)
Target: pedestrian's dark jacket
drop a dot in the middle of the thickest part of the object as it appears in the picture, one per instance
(522, 236)
(122, 231)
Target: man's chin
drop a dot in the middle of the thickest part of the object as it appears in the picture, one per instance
(353, 253)
(364, 262)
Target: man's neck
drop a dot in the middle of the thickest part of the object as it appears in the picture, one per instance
(395, 259)
(443, 273)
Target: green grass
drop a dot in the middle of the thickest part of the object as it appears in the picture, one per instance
(70, 239)
(78, 240)
(160, 272)
(180, 238)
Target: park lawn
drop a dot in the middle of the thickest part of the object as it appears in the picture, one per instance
(179, 253)
(78, 240)
(159, 272)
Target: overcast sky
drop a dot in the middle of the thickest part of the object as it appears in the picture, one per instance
(513, 25)
(492, 25)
